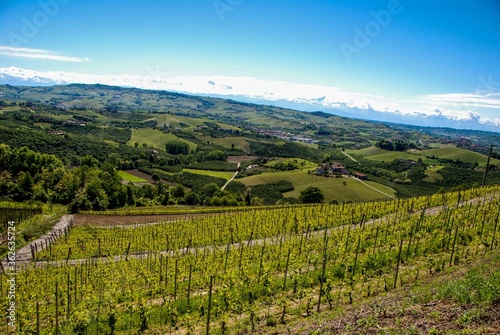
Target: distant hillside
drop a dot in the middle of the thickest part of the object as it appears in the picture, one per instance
(226, 88)
(167, 134)
(101, 98)
(318, 125)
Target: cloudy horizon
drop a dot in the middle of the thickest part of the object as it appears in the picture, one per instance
(395, 58)
(453, 106)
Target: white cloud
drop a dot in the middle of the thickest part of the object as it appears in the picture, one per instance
(489, 100)
(480, 106)
(38, 54)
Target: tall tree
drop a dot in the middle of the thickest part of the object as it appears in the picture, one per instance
(312, 194)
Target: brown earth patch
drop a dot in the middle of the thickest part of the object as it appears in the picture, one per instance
(145, 176)
(239, 159)
(139, 174)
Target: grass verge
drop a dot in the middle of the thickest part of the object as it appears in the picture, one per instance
(32, 228)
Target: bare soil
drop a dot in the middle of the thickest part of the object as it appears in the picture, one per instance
(239, 159)
(145, 176)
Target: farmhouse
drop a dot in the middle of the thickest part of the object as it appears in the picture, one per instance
(360, 175)
(335, 168)
(338, 168)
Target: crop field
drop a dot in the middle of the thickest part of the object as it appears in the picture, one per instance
(433, 174)
(340, 189)
(246, 271)
(155, 139)
(238, 142)
(112, 143)
(130, 177)
(442, 151)
(462, 154)
(352, 190)
(177, 121)
(389, 156)
(301, 163)
(370, 151)
(218, 174)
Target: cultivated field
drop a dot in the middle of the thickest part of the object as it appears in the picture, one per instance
(340, 189)
(155, 139)
(275, 270)
(127, 176)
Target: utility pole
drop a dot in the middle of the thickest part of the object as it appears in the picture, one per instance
(487, 165)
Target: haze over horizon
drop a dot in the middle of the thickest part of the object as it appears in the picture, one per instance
(412, 61)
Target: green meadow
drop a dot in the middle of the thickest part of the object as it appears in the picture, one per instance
(340, 189)
(218, 174)
(129, 177)
(155, 139)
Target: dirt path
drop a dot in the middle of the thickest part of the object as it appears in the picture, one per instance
(373, 188)
(350, 157)
(24, 254)
(230, 180)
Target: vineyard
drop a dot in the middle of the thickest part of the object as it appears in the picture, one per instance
(16, 212)
(244, 270)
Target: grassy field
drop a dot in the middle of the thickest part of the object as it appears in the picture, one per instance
(302, 163)
(155, 138)
(433, 174)
(227, 126)
(112, 143)
(370, 151)
(446, 151)
(176, 121)
(381, 155)
(333, 188)
(451, 152)
(44, 125)
(218, 174)
(389, 156)
(239, 142)
(128, 177)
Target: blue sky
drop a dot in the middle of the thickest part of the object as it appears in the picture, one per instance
(414, 50)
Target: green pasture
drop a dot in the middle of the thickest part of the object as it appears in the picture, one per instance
(333, 188)
(239, 142)
(155, 138)
(432, 172)
(129, 177)
(454, 153)
(369, 151)
(446, 151)
(177, 121)
(389, 156)
(112, 143)
(44, 125)
(301, 163)
(218, 174)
